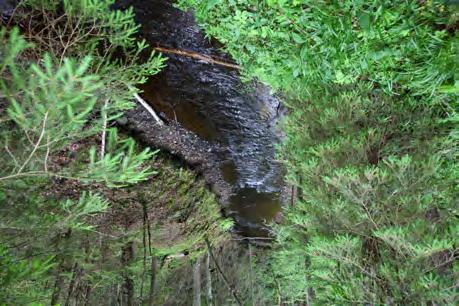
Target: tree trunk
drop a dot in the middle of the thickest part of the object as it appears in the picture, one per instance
(144, 241)
(209, 281)
(87, 294)
(128, 286)
(61, 267)
(154, 264)
(71, 285)
(57, 285)
(225, 279)
(197, 283)
(252, 293)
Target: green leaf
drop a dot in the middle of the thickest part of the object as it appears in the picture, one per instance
(364, 20)
(297, 38)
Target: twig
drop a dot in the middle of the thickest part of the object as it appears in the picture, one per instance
(144, 243)
(251, 274)
(104, 130)
(28, 137)
(154, 262)
(69, 39)
(72, 284)
(14, 12)
(209, 280)
(153, 272)
(452, 287)
(197, 283)
(24, 174)
(148, 108)
(292, 203)
(232, 290)
(16, 164)
(37, 144)
(278, 287)
(47, 154)
(253, 238)
(197, 55)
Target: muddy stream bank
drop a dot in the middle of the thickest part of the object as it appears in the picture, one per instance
(223, 128)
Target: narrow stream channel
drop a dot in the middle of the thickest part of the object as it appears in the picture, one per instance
(211, 101)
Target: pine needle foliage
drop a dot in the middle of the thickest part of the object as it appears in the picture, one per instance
(50, 107)
(67, 69)
(371, 143)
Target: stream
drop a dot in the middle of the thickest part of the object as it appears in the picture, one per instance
(224, 127)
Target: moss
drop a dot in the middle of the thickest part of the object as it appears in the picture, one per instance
(182, 212)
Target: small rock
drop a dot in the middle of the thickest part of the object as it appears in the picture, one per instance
(122, 120)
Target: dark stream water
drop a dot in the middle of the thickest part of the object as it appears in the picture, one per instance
(211, 101)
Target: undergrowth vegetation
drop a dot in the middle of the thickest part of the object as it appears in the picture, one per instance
(71, 229)
(371, 143)
(88, 217)
(67, 70)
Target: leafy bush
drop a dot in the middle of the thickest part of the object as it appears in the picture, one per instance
(371, 142)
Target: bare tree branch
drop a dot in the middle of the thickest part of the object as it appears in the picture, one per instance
(148, 108)
(104, 130)
(226, 281)
(43, 129)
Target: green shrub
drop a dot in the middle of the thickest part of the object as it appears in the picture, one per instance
(371, 142)
(63, 78)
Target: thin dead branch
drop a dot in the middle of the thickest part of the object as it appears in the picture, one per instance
(104, 129)
(48, 149)
(225, 279)
(149, 109)
(197, 283)
(209, 280)
(196, 55)
(42, 133)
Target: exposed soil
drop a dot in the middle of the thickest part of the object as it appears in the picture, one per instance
(199, 154)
